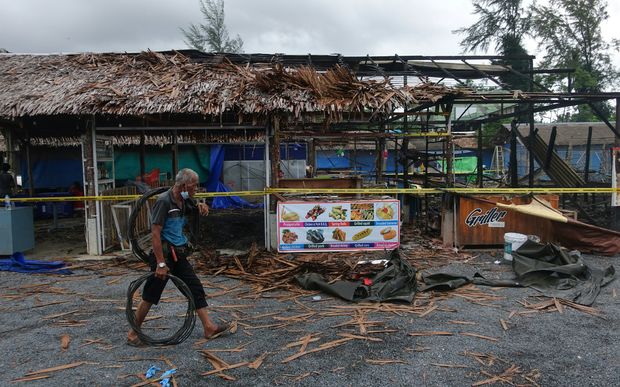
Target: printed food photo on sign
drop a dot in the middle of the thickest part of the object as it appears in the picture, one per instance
(385, 212)
(288, 215)
(315, 236)
(362, 234)
(388, 233)
(339, 235)
(288, 236)
(362, 211)
(338, 213)
(315, 212)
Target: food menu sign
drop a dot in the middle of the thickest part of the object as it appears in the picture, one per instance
(338, 226)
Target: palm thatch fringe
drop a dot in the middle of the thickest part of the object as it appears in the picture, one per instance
(155, 83)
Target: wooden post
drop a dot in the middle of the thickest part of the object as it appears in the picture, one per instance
(450, 179)
(275, 152)
(312, 156)
(531, 144)
(616, 210)
(514, 175)
(479, 167)
(175, 154)
(29, 164)
(142, 154)
(90, 188)
(379, 159)
(404, 147)
(550, 147)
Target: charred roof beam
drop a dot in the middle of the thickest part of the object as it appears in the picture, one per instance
(487, 76)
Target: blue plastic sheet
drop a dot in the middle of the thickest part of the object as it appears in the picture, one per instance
(151, 372)
(165, 377)
(18, 263)
(214, 183)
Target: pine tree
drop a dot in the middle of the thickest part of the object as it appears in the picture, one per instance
(212, 36)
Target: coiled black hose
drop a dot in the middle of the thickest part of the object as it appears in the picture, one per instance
(190, 315)
(131, 226)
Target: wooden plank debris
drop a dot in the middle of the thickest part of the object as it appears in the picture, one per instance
(478, 336)
(430, 333)
(64, 342)
(58, 368)
(449, 365)
(504, 324)
(384, 361)
(258, 362)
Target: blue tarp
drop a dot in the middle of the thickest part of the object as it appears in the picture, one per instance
(18, 263)
(214, 183)
(53, 168)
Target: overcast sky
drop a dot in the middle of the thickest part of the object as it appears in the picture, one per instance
(349, 27)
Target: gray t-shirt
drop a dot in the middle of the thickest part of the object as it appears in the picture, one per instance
(167, 214)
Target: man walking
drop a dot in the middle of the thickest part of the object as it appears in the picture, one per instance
(170, 251)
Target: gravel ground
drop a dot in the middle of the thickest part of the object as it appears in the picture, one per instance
(545, 347)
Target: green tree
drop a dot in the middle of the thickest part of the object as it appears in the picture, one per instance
(212, 36)
(569, 31)
(503, 24)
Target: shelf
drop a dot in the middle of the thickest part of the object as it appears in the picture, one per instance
(104, 159)
(105, 181)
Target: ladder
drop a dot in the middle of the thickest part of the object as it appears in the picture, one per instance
(497, 163)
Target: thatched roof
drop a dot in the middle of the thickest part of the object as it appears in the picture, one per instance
(153, 83)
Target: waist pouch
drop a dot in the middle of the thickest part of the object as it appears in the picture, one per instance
(181, 252)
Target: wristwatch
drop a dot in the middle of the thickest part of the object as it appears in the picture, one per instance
(161, 265)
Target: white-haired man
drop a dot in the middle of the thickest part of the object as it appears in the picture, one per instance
(170, 251)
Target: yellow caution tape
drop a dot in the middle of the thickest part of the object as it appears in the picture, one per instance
(365, 191)
(126, 197)
(425, 191)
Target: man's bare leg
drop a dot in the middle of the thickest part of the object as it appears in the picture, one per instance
(209, 326)
(141, 312)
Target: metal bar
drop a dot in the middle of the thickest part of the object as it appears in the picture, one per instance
(449, 74)
(508, 115)
(464, 111)
(407, 66)
(601, 116)
(484, 74)
(588, 147)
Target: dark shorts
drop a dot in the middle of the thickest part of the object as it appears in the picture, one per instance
(153, 287)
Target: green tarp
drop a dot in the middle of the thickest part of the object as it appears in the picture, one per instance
(461, 164)
(127, 161)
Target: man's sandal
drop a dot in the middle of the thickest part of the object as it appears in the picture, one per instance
(136, 342)
(221, 330)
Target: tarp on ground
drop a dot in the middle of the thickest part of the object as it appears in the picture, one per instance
(214, 183)
(552, 270)
(396, 282)
(18, 263)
